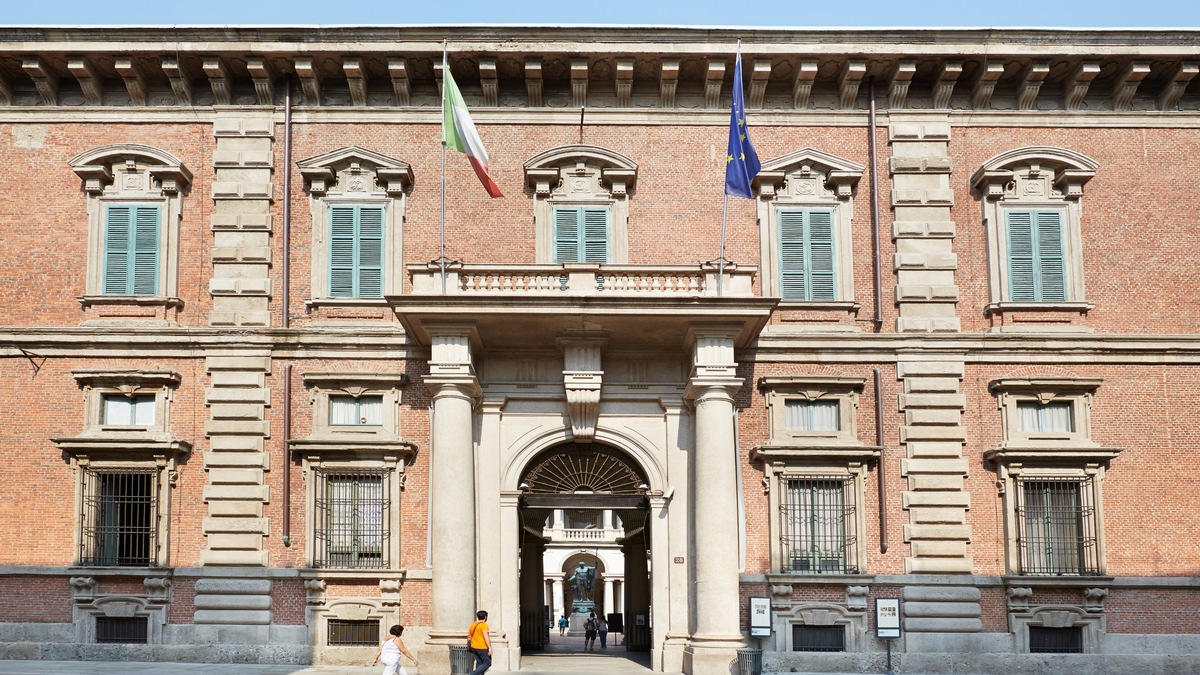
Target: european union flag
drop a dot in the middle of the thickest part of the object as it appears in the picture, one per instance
(741, 162)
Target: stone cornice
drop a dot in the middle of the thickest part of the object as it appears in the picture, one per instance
(1097, 71)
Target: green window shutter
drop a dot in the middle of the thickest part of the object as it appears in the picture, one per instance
(370, 252)
(567, 234)
(341, 251)
(356, 244)
(806, 255)
(1051, 265)
(1036, 264)
(820, 250)
(131, 238)
(595, 235)
(118, 225)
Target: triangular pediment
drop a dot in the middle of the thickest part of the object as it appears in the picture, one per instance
(820, 161)
(352, 153)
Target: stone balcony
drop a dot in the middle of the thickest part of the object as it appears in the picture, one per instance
(532, 306)
(589, 535)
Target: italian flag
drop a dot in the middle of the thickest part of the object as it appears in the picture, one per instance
(458, 131)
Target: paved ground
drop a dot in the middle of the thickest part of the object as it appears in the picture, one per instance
(564, 655)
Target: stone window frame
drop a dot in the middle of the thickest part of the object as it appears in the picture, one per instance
(799, 455)
(131, 173)
(808, 179)
(385, 609)
(1093, 623)
(1023, 456)
(87, 609)
(331, 449)
(107, 448)
(354, 176)
(581, 175)
(854, 622)
(1038, 178)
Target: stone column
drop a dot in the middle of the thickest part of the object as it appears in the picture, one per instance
(559, 518)
(455, 389)
(606, 519)
(714, 518)
(608, 596)
(556, 600)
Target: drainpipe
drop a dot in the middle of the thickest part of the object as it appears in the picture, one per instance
(874, 204)
(881, 468)
(287, 258)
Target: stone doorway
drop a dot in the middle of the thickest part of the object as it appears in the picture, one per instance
(584, 546)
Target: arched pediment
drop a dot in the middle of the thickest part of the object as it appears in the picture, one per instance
(544, 170)
(840, 175)
(321, 171)
(95, 166)
(1069, 169)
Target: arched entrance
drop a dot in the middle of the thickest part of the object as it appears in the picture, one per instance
(584, 549)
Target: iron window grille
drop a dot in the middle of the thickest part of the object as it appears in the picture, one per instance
(818, 638)
(352, 632)
(130, 630)
(1046, 640)
(1057, 526)
(119, 522)
(352, 519)
(820, 525)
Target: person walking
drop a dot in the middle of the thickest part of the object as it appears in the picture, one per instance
(390, 650)
(589, 633)
(480, 643)
(562, 625)
(602, 629)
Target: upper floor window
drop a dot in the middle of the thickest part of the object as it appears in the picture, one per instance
(801, 415)
(1031, 209)
(356, 240)
(134, 212)
(805, 211)
(358, 200)
(580, 234)
(581, 204)
(361, 411)
(128, 411)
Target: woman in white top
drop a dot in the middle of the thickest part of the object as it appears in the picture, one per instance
(390, 651)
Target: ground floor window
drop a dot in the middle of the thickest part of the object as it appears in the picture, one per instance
(819, 520)
(1056, 517)
(119, 521)
(351, 524)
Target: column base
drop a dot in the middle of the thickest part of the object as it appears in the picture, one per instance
(712, 655)
(435, 658)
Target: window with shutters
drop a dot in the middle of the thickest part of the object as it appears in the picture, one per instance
(125, 460)
(134, 207)
(356, 237)
(805, 211)
(580, 234)
(806, 255)
(1033, 219)
(581, 204)
(358, 199)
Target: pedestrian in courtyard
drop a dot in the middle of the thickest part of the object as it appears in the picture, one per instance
(562, 625)
(602, 629)
(480, 643)
(390, 651)
(589, 633)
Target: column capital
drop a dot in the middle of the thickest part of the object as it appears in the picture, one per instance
(708, 386)
(457, 385)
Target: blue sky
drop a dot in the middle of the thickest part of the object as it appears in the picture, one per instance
(1051, 13)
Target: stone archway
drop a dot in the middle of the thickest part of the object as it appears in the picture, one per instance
(580, 502)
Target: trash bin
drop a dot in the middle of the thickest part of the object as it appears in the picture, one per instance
(750, 661)
(461, 660)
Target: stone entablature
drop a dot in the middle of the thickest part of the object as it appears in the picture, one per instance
(1025, 70)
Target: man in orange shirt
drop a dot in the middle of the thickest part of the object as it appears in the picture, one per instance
(480, 643)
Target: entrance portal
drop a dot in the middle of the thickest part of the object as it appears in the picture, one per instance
(584, 551)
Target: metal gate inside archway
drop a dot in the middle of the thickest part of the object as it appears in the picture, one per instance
(584, 547)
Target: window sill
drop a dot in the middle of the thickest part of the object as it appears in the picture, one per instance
(124, 446)
(1053, 581)
(1062, 452)
(352, 445)
(857, 579)
(355, 573)
(130, 301)
(825, 305)
(1066, 307)
(830, 450)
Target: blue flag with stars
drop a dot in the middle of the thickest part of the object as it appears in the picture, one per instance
(741, 162)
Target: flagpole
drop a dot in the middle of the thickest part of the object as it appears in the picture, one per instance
(721, 260)
(442, 250)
